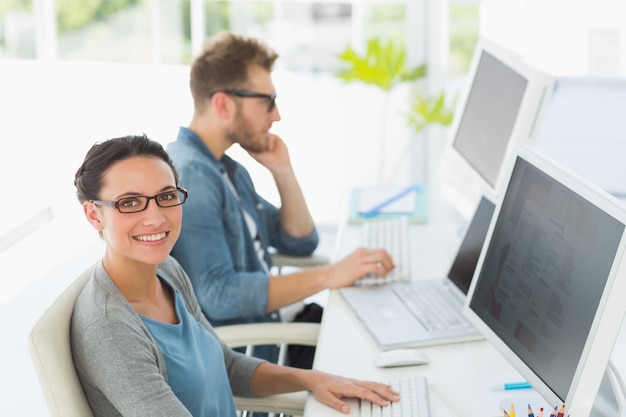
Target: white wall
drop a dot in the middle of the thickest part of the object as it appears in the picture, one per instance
(53, 112)
(563, 37)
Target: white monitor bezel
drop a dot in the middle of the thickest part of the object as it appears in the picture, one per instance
(603, 332)
(457, 180)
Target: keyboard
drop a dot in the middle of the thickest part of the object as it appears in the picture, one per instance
(391, 234)
(433, 306)
(413, 400)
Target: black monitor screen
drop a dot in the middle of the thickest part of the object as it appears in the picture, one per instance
(544, 273)
(464, 265)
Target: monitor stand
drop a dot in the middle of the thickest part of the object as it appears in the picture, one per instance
(606, 404)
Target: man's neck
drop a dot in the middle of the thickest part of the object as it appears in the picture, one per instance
(211, 138)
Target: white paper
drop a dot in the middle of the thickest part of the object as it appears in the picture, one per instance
(370, 198)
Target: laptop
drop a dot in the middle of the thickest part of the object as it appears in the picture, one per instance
(394, 313)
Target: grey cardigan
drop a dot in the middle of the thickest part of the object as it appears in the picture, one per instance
(120, 366)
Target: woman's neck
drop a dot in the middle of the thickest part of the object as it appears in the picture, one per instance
(140, 285)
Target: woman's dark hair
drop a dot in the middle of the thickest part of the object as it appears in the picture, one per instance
(89, 177)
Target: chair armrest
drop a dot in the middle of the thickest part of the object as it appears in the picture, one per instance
(300, 333)
(279, 260)
(289, 404)
(239, 335)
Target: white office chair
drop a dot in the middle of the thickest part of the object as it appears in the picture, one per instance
(51, 354)
(50, 351)
(280, 261)
(283, 334)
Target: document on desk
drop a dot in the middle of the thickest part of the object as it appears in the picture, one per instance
(382, 202)
(378, 200)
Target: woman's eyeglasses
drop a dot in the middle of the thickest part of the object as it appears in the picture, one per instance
(137, 203)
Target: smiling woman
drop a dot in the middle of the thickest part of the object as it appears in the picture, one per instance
(138, 316)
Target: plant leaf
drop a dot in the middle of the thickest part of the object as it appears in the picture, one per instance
(430, 110)
(382, 65)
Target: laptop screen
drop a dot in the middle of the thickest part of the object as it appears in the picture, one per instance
(462, 269)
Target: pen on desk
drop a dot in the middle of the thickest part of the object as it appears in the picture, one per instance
(378, 207)
(540, 412)
(530, 411)
(553, 413)
(512, 410)
(517, 385)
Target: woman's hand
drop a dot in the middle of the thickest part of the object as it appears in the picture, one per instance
(331, 389)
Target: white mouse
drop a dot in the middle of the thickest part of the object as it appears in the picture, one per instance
(401, 357)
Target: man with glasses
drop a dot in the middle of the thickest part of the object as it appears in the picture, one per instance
(227, 227)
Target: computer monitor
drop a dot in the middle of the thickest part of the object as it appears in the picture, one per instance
(499, 108)
(583, 127)
(548, 290)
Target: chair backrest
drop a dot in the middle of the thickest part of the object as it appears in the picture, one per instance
(51, 354)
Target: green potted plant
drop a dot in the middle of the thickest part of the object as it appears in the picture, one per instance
(383, 65)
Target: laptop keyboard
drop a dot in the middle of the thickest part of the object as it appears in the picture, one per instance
(391, 234)
(413, 400)
(432, 306)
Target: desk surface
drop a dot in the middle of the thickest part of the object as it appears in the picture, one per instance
(461, 376)
(465, 379)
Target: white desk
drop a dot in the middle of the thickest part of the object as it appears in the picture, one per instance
(461, 376)
(465, 379)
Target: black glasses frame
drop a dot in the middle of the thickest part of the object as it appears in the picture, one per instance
(271, 98)
(116, 204)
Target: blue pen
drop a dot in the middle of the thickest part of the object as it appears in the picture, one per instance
(517, 385)
(376, 209)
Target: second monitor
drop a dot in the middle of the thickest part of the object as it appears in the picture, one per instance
(548, 288)
(500, 108)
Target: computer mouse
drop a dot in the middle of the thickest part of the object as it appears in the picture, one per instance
(401, 357)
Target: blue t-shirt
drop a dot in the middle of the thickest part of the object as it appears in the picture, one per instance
(195, 364)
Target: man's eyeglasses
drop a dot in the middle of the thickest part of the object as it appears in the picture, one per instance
(135, 204)
(271, 98)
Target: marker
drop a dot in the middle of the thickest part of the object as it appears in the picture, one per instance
(378, 207)
(530, 411)
(512, 410)
(517, 385)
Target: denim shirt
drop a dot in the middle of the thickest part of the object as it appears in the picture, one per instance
(215, 247)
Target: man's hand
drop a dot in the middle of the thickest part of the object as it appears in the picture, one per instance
(276, 155)
(358, 264)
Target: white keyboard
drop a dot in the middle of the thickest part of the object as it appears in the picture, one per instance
(391, 234)
(413, 400)
(434, 306)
